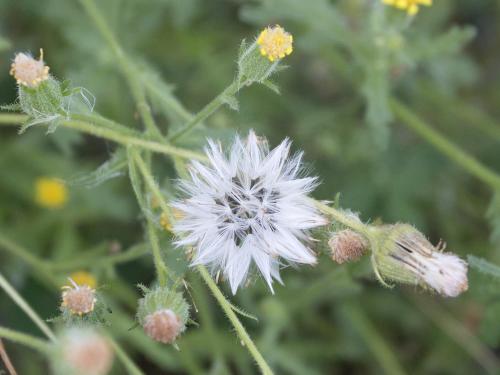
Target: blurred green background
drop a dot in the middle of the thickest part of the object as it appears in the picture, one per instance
(350, 58)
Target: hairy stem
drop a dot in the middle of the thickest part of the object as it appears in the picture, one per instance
(125, 65)
(206, 111)
(129, 140)
(240, 329)
(161, 268)
(19, 300)
(24, 339)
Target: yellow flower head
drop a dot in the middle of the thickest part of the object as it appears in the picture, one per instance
(27, 71)
(410, 6)
(83, 278)
(275, 43)
(50, 192)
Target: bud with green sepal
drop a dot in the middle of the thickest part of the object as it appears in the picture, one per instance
(259, 60)
(40, 96)
(163, 313)
(402, 254)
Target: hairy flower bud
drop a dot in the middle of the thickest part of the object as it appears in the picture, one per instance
(78, 299)
(82, 351)
(259, 60)
(347, 246)
(163, 326)
(163, 313)
(405, 255)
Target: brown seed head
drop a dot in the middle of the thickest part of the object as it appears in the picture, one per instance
(347, 246)
(79, 299)
(163, 326)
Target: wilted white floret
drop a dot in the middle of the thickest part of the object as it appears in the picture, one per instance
(407, 256)
(446, 273)
(27, 71)
(250, 206)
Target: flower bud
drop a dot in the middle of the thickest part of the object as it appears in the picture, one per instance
(40, 95)
(163, 326)
(347, 246)
(82, 351)
(404, 255)
(163, 313)
(259, 60)
(78, 299)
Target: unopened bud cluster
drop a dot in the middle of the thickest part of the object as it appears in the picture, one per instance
(404, 255)
(163, 313)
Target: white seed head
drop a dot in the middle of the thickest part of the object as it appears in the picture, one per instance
(28, 71)
(79, 299)
(163, 326)
(347, 246)
(250, 206)
(85, 352)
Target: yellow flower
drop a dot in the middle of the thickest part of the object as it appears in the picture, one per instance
(411, 6)
(275, 43)
(27, 71)
(50, 192)
(83, 278)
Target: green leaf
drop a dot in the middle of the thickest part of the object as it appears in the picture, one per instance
(112, 168)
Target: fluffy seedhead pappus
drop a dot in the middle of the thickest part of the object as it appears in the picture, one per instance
(248, 207)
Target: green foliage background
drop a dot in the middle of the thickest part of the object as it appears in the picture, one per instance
(351, 59)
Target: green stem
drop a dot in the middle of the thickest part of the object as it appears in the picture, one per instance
(12, 119)
(240, 329)
(161, 268)
(150, 182)
(25, 339)
(125, 65)
(136, 160)
(131, 367)
(206, 111)
(19, 300)
(342, 218)
(443, 145)
(129, 140)
(377, 345)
